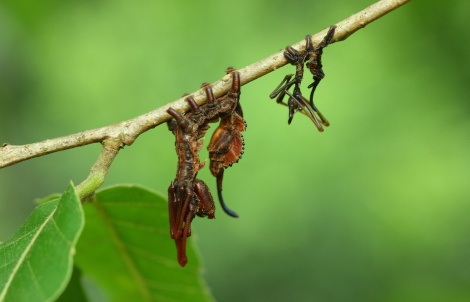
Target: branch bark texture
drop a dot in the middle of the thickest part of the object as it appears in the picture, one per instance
(126, 132)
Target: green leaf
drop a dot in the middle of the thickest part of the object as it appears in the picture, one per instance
(36, 263)
(74, 291)
(126, 249)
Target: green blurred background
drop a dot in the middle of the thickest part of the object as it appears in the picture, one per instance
(373, 209)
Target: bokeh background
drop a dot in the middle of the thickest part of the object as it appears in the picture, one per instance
(374, 209)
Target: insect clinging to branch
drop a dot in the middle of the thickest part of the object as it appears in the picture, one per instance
(188, 196)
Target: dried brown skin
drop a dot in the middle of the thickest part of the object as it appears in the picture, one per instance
(297, 102)
(314, 63)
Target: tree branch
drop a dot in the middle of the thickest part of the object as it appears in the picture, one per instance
(125, 133)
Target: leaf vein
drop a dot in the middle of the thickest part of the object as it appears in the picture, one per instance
(8, 263)
(35, 280)
(128, 261)
(133, 204)
(23, 256)
(17, 240)
(141, 227)
(153, 257)
(61, 234)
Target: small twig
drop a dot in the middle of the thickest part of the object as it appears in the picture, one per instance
(126, 132)
(100, 168)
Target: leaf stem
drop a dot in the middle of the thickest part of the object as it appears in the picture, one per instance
(100, 169)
